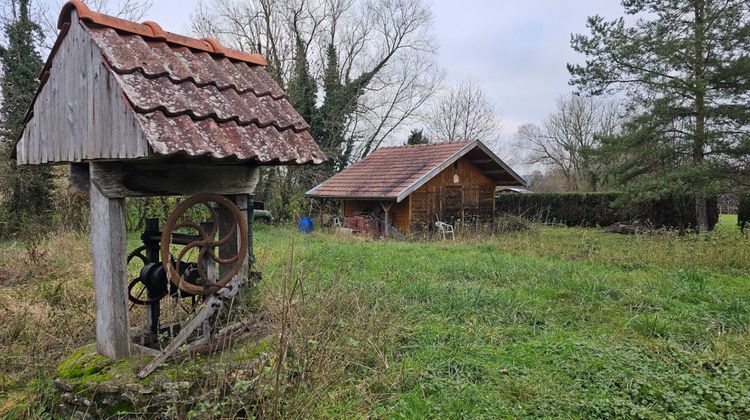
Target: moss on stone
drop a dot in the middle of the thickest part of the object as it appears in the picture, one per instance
(84, 362)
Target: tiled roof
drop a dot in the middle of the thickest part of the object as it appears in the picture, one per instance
(393, 172)
(195, 97)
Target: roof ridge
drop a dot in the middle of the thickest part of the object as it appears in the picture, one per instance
(152, 30)
(464, 142)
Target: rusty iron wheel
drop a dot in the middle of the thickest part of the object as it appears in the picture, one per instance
(205, 245)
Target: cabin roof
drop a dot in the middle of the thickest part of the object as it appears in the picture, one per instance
(392, 173)
(191, 96)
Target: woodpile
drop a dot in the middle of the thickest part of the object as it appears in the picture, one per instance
(364, 226)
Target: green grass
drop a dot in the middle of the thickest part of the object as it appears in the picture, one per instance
(571, 322)
(559, 322)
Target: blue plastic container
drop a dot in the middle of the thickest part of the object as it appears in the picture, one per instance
(305, 225)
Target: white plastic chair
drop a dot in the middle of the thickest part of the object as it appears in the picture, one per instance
(445, 229)
(336, 222)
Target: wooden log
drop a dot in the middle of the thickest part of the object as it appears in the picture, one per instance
(161, 178)
(110, 275)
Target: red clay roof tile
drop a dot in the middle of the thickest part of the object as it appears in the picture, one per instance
(153, 30)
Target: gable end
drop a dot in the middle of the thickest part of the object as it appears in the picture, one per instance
(80, 112)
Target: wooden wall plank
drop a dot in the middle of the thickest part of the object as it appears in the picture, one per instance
(466, 200)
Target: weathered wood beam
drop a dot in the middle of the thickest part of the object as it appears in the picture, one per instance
(386, 205)
(482, 161)
(108, 249)
(229, 249)
(155, 178)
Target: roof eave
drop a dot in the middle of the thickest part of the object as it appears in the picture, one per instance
(522, 182)
(359, 198)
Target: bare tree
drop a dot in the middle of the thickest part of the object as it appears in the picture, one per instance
(46, 12)
(565, 139)
(385, 50)
(464, 112)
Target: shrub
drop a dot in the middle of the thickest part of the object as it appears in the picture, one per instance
(508, 223)
(743, 211)
(604, 209)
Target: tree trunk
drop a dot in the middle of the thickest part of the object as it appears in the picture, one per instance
(701, 217)
(701, 213)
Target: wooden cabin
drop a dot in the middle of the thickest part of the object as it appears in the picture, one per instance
(412, 187)
(137, 111)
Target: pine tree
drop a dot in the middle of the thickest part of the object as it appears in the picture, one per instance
(29, 186)
(683, 64)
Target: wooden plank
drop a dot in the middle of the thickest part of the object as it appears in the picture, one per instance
(110, 275)
(160, 178)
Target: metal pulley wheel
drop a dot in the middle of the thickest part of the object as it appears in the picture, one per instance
(206, 243)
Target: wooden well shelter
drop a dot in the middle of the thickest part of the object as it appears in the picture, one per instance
(412, 187)
(136, 111)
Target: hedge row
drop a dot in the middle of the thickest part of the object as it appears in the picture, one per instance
(599, 209)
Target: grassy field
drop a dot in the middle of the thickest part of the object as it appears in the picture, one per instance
(548, 322)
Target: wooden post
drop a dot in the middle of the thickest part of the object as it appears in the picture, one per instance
(229, 249)
(153, 309)
(110, 274)
(386, 207)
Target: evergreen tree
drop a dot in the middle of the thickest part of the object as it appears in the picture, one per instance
(28, 186)
(417, 137)
(339, 105)
(302, 89)
(332, 114)
(683, 64)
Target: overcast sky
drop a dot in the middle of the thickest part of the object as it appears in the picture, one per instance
(515, 49)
